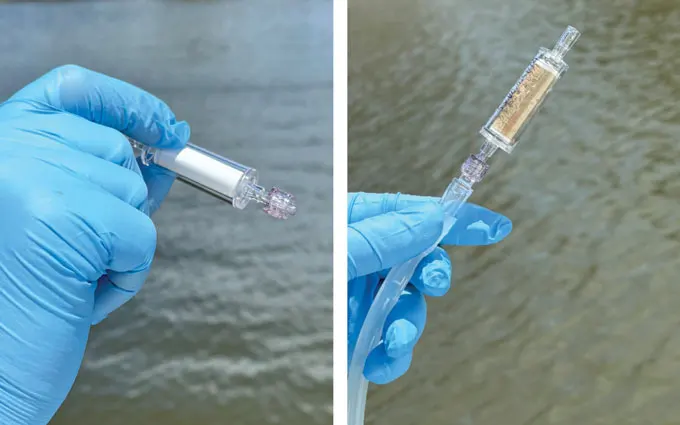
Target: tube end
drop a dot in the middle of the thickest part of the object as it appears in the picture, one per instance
(280, 204)
(567, 40)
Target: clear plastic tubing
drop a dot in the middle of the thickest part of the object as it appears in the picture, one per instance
(220, 177)
(501, 131)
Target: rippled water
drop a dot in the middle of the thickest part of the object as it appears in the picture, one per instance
(574, 318)
(234, 325)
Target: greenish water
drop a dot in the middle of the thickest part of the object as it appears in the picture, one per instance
(234, 325)
(574, 318)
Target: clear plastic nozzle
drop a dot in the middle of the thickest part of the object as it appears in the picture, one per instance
(566, 41)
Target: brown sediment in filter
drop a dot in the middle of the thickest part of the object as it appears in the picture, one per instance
(521, 104)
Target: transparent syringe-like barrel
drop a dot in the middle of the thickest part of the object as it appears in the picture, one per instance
(501, 131)
(527, 95)
(221, 177)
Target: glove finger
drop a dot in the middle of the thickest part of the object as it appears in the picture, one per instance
(110, 102)
(477, 225)
(125, 184)
(366, 205)
(113, 146)
(433, 275)
(77, 133)
(382, 369)
(158, 182)
(108, 296)
(131, 241)
(405, 323)
(384, 241)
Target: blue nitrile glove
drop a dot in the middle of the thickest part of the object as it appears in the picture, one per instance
(385, 230)
(76, 240)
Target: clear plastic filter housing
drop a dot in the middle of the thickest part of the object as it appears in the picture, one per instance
(221, 177)
(527, 95)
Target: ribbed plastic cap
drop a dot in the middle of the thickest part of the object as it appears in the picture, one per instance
(280, 204)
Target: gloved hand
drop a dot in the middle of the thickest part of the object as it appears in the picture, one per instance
(385, 230)
(76, 238)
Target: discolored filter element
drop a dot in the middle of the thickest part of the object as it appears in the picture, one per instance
(523, 102)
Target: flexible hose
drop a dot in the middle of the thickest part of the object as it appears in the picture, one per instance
(394, 284)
